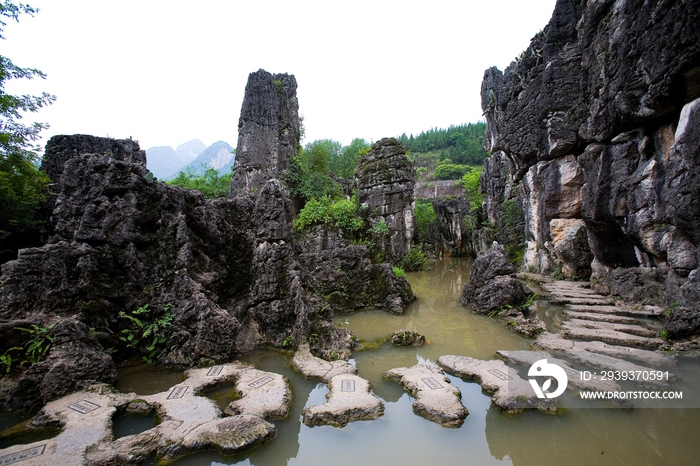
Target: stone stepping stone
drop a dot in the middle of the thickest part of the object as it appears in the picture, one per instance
(571, 289)
(609, 336)
(626, 328)
(609, 363)
(575, 379)
(646, 311)
(189, 423)
(598, 317)
(436, 399)
(579, 300)
(511, 393)
(316, 368)
(349, 400)
(263, 394)
(556, 342)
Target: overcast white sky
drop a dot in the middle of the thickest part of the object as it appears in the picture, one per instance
(166, 72)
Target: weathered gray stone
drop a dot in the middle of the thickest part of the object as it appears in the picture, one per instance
(633, 329)
(316, 368)
(611, 336)
(510, 392)
(407, 338)
(492, 284)
(640, 311)
(436, 399)
(556, 342)
(604, 362)
(385, 180)
(263, 394)
(268, 130)
(349, 400)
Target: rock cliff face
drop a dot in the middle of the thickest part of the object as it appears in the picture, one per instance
(385, 181)
(598, 124)
(268, 130)
(218, 277)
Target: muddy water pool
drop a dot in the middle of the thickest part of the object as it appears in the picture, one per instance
(487, 437)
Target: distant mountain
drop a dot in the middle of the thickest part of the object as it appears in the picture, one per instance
(191, 149)
(219, 156)
(163, 161)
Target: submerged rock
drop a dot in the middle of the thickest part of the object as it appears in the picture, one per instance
(436, 399)
(349, 400)
(492, 284)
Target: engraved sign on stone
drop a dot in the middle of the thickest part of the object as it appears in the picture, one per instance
(347, 385)
(16, 457)
(83, 407)
(619, 348)
(500, 374)
(432, 383)
(178, 392)
(261, 381)
(214, 371)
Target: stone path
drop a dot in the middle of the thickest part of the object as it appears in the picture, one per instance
(189, 422)
(436, 399)
(316, 368)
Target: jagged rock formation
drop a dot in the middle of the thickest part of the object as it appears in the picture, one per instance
(597, 122)
(218, 276)
(492, 284)
(385, 180)
(268, 130)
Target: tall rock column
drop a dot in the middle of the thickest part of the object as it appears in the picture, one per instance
(385, 181)
(268, 130)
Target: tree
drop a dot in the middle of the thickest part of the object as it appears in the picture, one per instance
(343, 164)
(22, 184)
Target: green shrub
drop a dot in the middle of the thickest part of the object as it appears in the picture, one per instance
(471, 183)
(425, 215)
(413, 260)
(315, 212)
(398, 272)
(450, 171)
(212, 183)
(344, 215)
(322, 211)
(380, 229)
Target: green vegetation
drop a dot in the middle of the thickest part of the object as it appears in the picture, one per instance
(341, 214)
(343, 163)
(446, 170)
(425, 215)
(212, 183)
(462, 144)
(35, 348)
(22, 185)
(471, 183)
(151, 332)
(413, 260)
(511, 232)
(309, 177)
(398, 272)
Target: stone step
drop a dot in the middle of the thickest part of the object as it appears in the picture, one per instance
(316, 368)
(575, 378)
(557, 343)
(569, 289)
(580, 300)
(646, 311)
(612, 318)
(609, 336)
(349, 400)
(616, 365)
(632, 329)
(511, 393)
(436, 399)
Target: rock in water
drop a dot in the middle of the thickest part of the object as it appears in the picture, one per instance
(268, 130)
(492, 284)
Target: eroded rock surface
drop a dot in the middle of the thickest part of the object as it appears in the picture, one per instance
(492, 284)
(436, 399)
(349, 400)
(511, 393)
(316, 368)
(385, 180)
